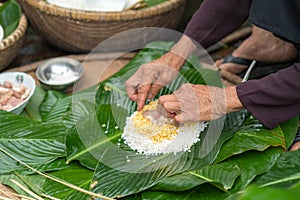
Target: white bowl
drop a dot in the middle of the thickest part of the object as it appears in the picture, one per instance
(28, 82)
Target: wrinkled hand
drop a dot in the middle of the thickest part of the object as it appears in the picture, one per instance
(198, 103)
(151, 77)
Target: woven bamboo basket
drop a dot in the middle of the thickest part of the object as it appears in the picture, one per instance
(80, 31)
(10, 46)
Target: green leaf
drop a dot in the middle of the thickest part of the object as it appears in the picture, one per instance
(10, 14)
(248, 164)
(49, 101)
(254, 136)
(203, 192)
(54, 106)
(284, 173)
(179, 182)
(221, 175)
(256, 193)
(77, 150)
(289, 129)
(32, 108)
(254, 163)
(74, 174)
(31, 142)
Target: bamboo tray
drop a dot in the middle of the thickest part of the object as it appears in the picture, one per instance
(10, 46)
(81, 31)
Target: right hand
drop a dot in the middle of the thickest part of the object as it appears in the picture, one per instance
(151, 77)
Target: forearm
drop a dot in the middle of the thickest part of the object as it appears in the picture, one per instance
(273, 99)
(215, 19)
(184, 47)
(233, 102)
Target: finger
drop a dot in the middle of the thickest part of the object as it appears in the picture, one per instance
(142, 95)
(155, 88)
(134, 97)
(131, 92)
(167, 98)
(163, 112)
(172, 107)
(131, 85)
(162, 100)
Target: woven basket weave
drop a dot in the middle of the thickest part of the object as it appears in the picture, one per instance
(10, 46)
(80, 31)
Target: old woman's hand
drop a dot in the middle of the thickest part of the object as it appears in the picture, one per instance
(199, 103)
(151, 77)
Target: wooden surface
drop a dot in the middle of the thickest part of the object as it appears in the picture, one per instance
(99, 66)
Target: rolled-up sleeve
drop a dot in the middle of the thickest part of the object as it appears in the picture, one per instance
(274, 98)
(215, 19)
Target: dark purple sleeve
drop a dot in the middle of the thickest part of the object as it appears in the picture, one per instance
(273, 99)
(215, 19)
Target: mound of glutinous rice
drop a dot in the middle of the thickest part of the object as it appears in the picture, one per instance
(160, 136)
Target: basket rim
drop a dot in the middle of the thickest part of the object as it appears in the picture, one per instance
(18, 33)
(75, 14)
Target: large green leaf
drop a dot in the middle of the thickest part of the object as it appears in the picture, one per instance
(221, 175)
(203, 192)
(10, 14)
(179, 182)
(254, 163)
(31, 142)
(289, 129)
(256, 193)
(284, 173)
(51, 98)
(259, 162)
(75, 175)
(32, 109)
(254, 136)
(77, 150)
(55, 107)
(248, 165)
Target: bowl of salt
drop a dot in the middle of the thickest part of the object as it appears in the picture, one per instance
(59, 73)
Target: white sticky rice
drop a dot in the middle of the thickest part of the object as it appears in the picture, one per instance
(139, 135)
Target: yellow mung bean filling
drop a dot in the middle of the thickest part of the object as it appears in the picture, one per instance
(156, 132)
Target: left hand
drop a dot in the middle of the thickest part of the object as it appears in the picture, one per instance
(199, 103)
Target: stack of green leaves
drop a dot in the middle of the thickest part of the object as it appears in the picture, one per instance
(10, 14)
(77, 139)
